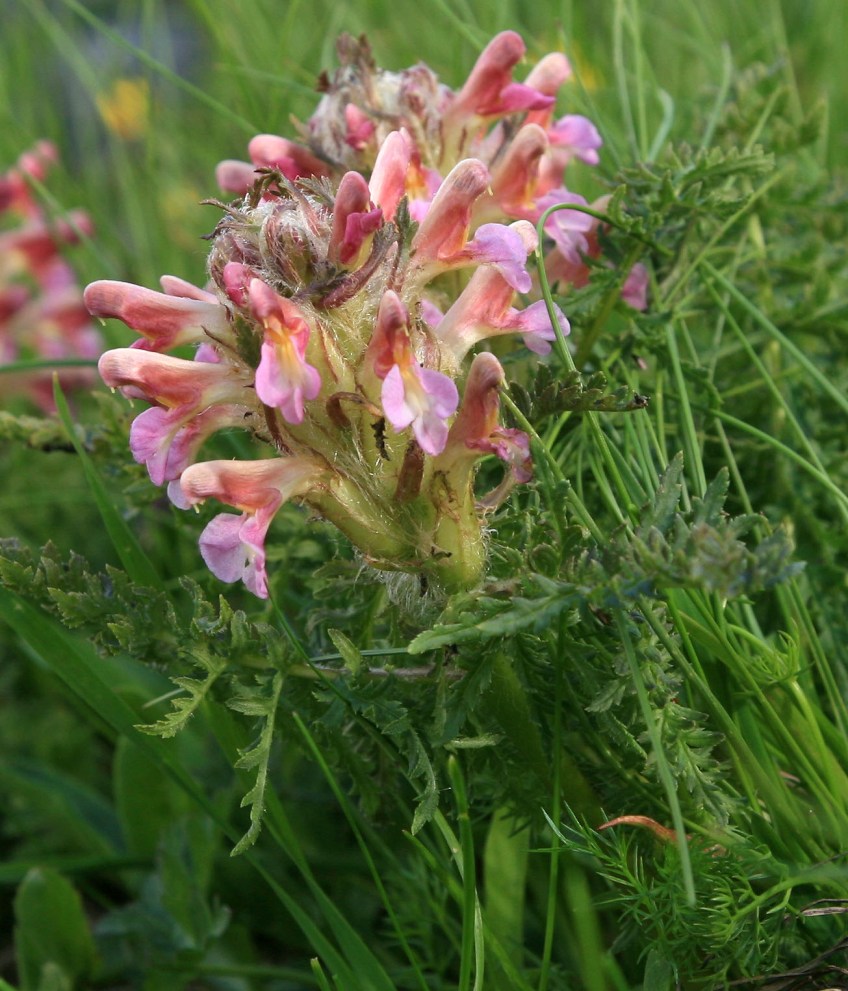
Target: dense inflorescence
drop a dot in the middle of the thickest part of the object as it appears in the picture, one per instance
(351, 278)
(42, 315)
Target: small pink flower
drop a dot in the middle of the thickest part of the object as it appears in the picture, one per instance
(284, 379)
(546, 76)
(490, 91)
(423, 398)
(234, 176)
(569, 229)
(165, 321)
(292, 159)
(354, 221)
(476, 429)
(167, 440)
(444, 231)
(360, 127)
(172, 285)
(411, 395)
(398, 172)
(172, 382)
(506, 248)
(268, 151)
(516, 177)
(578, 136)
(233, 547)
(484, 310)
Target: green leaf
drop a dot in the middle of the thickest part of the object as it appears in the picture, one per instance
(53, 943)
(262, 703)
(146, 803)
(659, 973)
(351, 654)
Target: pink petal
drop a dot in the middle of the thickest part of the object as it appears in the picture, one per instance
(286, 381)
(165, 321)
(388, 177)
(174, 286)
(568, 228)
(506, 249)
(169, 381)
(235, 177)
(292, 159)
(489, 90)
(393, 397)
(444, 231)
(579, 135)
(534, 323)
(232, 551)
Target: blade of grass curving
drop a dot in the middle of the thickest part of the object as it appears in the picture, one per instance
(809, 367)
(136, 563)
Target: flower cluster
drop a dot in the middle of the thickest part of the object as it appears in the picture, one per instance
(350, 281)
(42, 314)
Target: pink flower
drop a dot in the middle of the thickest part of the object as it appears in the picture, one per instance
(516, 176)
(167, 440)
(569, 229)
(411, 395)
(284, 379)
(484, 309)
(292, 159)
(360, 128)
(477, 431)
(398, 172)
(506, 248)
(442, 244)
(165, 321)
(172, 382)
(578, 136)
(233, 547)
(490, 91)
(354, 221)
(423, 398)
(444, 231)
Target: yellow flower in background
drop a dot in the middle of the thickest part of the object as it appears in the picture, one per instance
(584, 70)
(125, 108)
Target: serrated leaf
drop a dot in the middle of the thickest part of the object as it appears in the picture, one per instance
(257, 757)
(351, 655)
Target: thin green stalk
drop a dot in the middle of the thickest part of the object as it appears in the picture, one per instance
(690, 433)
(811, 369)
(469, 887)
(663, 770)
(555, 814)
(791, 419)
